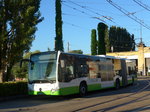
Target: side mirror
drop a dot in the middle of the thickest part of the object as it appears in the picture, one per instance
(27, 60)
(24, 60)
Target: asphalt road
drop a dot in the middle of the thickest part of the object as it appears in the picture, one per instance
(134, 98)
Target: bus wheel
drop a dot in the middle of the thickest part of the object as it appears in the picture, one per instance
(83, 89)
(117, 84)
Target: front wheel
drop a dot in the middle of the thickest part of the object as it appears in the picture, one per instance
(83, 89)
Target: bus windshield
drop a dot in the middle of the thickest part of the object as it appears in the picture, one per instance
(42, 68)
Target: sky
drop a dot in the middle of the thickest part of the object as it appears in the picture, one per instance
(81, 16)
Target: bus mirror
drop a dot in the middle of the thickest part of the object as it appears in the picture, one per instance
(32, 65)
(62, 63)
(24, 60)
(27, 60)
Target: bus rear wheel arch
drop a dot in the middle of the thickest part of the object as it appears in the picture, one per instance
(83, 88)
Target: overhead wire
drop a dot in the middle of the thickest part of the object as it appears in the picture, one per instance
(142, 4)
(77, 26)
(89, 9)
(82, 12)
(128, 14)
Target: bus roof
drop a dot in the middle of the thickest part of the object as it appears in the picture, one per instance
(112, 57)
(102, 56)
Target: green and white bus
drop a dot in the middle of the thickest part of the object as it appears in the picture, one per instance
(58, 73)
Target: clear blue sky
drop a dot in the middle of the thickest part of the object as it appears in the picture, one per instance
(79, 21)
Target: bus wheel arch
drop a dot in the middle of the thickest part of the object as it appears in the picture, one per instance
(83, 88)
(117, 85)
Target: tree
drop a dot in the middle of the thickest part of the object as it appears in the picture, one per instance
(22, 72)
(93, 42)
(133, 42)
(18, 20)
(58, 27)
(121, 39)
(107, 41)
(76, 51)
(48, 49)
(101, 38)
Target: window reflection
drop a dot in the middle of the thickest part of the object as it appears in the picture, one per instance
(77, 66)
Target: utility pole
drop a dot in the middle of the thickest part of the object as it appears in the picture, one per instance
(68, 46)
(141, 34)
(143, 56)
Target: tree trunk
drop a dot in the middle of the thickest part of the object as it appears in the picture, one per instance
(1, 76)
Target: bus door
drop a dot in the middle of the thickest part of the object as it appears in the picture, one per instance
(123, 72)
(107, 73)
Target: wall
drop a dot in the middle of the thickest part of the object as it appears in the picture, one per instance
(141, 55)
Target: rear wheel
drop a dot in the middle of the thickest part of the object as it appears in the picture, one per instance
(117, 84)
(83, 89)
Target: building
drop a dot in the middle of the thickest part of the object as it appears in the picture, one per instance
(141, 57)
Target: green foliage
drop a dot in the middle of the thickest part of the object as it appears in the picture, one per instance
(76, 51)
(107, 41)
(132, 43)
(58, 27)
(93, 42)
(48, 49)
(121, 39)
(13, 88)
(20, 72)
(18, 20)
(115, 39)
(23, 71)
(102, 30)
(28, 54)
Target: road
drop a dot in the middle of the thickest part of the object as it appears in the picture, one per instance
(135, 98)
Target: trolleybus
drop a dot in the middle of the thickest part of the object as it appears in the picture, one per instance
(59, 73)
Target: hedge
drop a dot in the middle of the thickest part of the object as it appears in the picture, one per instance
(13, 88)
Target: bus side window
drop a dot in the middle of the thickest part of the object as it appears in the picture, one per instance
(69, 70)
(129, 70)
(66, 74)
(82, 70)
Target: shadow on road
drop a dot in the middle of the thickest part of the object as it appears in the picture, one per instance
(32, 101)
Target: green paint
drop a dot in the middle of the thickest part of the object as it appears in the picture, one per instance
(121, 84)
(94, 87)
(43, 93)
(108, 87)
(98, 87)
(130, 81)
(61, 91)
(69, 90)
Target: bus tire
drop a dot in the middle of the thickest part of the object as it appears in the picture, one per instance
(83, 89)
(117, 84)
